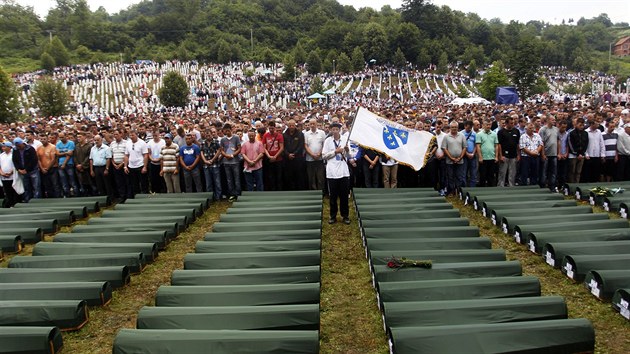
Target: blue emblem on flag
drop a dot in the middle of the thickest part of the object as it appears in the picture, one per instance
(394, 138)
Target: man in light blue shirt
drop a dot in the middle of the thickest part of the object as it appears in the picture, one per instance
(100, 161)
(65, 150)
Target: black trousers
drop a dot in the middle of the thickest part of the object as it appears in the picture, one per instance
(10, 196)
(487, 173)
(157, 181)
(138, 182)
(592, 170)
(103, 181)
(294, 174)
(122, 183)
(339, 188)
(274, 176)
(623, 168)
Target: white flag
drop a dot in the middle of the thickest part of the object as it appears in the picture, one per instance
(407, 146)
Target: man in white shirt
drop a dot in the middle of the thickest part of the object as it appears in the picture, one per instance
(155, 146)
(335, 152)
(313, 144)
(7, 170)
(595, 154)
(136, 161)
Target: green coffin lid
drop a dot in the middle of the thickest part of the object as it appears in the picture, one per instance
(45, 340)
(261, 276)
(117, 276)
(442, 271)
(95, 293)
(65, 314)
(252, 260)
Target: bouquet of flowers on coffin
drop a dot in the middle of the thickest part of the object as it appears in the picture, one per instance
(402, 262)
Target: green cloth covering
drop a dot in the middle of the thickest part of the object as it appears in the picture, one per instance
(360, 197)
(64, 218)
(415, 223)
(296, 196)
(79, 211)
(274, 203)
(101, 200)
(148, 250)
(401, 201)
(10, 243)
(117, 277)
(554, 252)
(157, 237)
(260, 276)
(197, 208)
(604, 283)
(130, 341)
(455, 243)
(256, 246)
(440, 256)
(135, 261)
(238, 295)
(276, 210)
(268, 226)
(522, 231)
(459, 312)
(516, 199)
(306, 193)
(552, 336)
(442, 271)
(179, 222)
(620, 301)
(393, 207)
(204, 197)
(41, 340)
(172, 229)
(500, 213)
(268, 318)
(576, 266)
(187, 215)
(278, 235)
(70, 204)
(488, 207)
(65, 314)
(538, 239)
(424, 232)
(29, 235)
(95, 293)
(250, 260)
(417, 215)
(459, 289)
(372, 191)
(263, 217)
(48, 226)
(509, 222)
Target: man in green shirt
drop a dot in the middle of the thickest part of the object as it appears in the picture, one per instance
(489, 154)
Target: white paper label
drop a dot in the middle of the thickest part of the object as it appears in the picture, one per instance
(550, 260)
(595, 291)
(466, 201)
(566, 192)
(568, 267)
(592, 284)
(606, 207)
(591, 200)
(484, 213)
(625, 313)
(577, 195)
(475, 205)
(532, 246)
(504, 227)
(624, 213)
(570, 274)
(623, 303)
(517, 236)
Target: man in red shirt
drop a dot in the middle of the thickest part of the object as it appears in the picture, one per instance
(273, 143)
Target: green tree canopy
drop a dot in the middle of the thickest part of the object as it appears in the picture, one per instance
(174, 92)
(399, 59)
(50, 97)
(358, 59)
(344, 65)
(494, 77)
(525, 65)
(9, 106)
(59, 52)
(47, 62)
(316, 86)
(314, 63)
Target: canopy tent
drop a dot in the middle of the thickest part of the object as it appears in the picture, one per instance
(506, 95)
(316, 96)
(469, 100)
(330, 91)
(256, 276)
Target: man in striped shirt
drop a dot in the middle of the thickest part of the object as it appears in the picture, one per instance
(169, 155)
(118, 146)
(610, 145)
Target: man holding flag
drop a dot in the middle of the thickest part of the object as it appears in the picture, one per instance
(335, 153)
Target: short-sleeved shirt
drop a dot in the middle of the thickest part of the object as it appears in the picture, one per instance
(487, 143)
(136, 152)
(549, 138)
(209, 148)
(530, 143)
(169, 155)
(509, 140)
(189, 153)
(315, 142)
(63, 148)
(229, 146)
(99, 155)
(455, 145)
(252, 150)
(272, 143)
(470, 140)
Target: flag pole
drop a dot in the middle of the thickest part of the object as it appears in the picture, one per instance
(352, 126)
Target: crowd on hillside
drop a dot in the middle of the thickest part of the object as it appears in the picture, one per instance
(224, 151)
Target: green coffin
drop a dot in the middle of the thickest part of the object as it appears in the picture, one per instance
(44, 340)
(149, 250)
(237, 295)
(394, 207)
(576, 266)
(509, 222)
(401, 201)
(277, 210)
(442, 271)
(613, 203)
(620, 301)
(256, 246)
(422, 223)
(278, 235)
(459, 312)
(455, 243)
(263, 217)
(174, 198)
(475, 190)
(197, 208)
(488, 207)
(521, 231)
(269, 226)
(583, 190)
(172, 229)
(64, 218)
(102, 200)
(440, 256)
(10, 243)
(268, 318)
(555, 252)
(95, 293)
(260, 276)
(537, 240)
(515, 198)
(165, 341)
(29, 235)
(178, 222)
(308, 193)
(157, 237)
(274, 203)
(80, 211)
(360, 197)
(135, 261)
(623, 210)
(459, 289)
(65, 314)
(498, 214)
(416, 215)
(48, 226)
(425, 232)
(603, 283)
(188, 216)
(116, 276)
(393, 191)
(295, 196)
(92, 207)
(470, 197)
(552, 336)
(252, 260)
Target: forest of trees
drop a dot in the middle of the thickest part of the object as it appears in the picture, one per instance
(319, 32)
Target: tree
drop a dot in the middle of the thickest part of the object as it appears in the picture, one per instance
(540, 87)
(375, 42)
(463, 92)
(299, 54)
(399, 59)
(472, 69)
(50, 97)
(47, 61)
(314, 63)
(9, 106)
(344, 65)
(424, 59)
(525, 65)
(127, 56)
(289, 68)
(58, 51)
(358, 59)
(174, 92)
(317, 86)
(494, 77)
(442, 67)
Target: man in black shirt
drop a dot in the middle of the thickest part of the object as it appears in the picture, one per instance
(293, 157)
(509, 146)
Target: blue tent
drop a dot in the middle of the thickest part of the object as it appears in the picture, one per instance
(506, 95)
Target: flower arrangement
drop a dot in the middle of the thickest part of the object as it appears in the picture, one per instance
(605, 192)
(402, 262)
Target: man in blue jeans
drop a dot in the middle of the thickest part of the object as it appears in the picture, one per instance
(211, 157)
(25, 162)
(189, 157)
(253, 153)
(230, 148)
(65, 150)
(470, 158)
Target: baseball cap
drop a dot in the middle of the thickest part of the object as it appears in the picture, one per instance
(7, 143)
(18, 141)
(168, 136)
